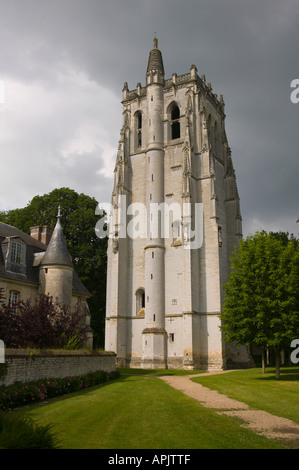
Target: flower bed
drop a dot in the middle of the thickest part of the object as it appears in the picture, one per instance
(20, 394)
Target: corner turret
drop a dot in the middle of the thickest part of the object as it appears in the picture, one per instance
(56, 267)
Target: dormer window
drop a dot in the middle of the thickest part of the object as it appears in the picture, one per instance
(15, 252)
(16, 256)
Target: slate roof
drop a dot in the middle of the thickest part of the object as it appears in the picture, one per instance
(10, 231)
(56, 252)
(32, 246)
(35, 254)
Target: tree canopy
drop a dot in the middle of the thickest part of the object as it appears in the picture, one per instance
(87, 250)
(261, 305)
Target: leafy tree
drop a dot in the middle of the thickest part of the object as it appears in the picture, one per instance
(261, 306)
(87, 250)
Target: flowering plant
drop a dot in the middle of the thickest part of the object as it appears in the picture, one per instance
(20, 394)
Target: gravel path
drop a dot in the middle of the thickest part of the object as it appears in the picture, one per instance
(269, 425)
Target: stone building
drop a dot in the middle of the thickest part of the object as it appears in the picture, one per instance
(39, 263)
(176, 220)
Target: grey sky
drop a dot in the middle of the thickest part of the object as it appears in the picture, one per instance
(63, 64)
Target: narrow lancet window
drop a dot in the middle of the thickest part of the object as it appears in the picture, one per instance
(140, 301)
(139, 128)
(176, 231)
(175, 123)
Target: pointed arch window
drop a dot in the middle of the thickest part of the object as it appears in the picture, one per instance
(138, 129)
(175, 123)
(140, 301)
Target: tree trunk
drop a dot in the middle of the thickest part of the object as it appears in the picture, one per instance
(277, 364)
(263, 361)
(268, 356)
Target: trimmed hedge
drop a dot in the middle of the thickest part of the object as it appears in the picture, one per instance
(20, 394)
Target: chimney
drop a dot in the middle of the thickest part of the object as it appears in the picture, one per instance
(41, 233)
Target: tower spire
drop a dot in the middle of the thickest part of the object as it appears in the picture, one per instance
(56, 252)
(155, 63)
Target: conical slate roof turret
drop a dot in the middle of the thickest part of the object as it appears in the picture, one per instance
(56, 252)
(155, 61)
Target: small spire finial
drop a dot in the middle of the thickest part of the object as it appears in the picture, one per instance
(155, 42)
(59, 212)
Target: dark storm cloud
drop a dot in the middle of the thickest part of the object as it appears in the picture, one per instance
(72, 58)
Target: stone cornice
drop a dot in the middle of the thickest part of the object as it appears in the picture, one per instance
(180, 81)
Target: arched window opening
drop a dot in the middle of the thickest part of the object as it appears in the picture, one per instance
(176, 232)
(138, 125)
(140, 301)
(175, 123)
(175, 113)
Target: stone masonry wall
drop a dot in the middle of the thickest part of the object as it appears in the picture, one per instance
(25, 367)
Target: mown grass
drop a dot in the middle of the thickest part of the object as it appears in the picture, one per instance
(260, 391)
(141, 412)
(157, 372)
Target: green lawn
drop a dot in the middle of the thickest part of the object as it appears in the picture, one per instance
(157, 372)
(261, 391)
(141, 412)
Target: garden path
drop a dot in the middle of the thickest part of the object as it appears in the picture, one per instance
(271, 426)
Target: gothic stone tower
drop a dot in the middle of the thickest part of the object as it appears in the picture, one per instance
(164, 294)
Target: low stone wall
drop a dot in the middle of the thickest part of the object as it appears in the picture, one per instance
(23, 366)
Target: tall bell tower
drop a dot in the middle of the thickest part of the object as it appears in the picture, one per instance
(176, 221)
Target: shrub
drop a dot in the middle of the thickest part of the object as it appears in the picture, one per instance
(22, 433)
(42, 323)
(20, 394)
